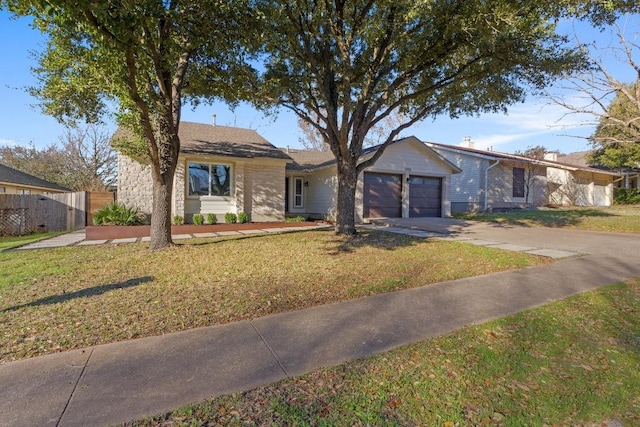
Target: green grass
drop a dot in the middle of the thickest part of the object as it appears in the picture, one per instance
(14, 242)
(573, 362)
(73, 297)
(622, 219)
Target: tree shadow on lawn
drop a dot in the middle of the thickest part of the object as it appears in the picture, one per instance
(374, 238)
(545, 218)
(83, 293)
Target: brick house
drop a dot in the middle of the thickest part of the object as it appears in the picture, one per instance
(220, 169)
(225, 169)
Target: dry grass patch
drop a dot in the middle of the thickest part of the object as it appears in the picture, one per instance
(65, 298)
(620, 219)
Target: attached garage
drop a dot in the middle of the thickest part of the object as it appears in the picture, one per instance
(425, 196)
(382, 195)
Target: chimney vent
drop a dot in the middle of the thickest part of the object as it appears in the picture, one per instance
(468, 142)
(214, 119)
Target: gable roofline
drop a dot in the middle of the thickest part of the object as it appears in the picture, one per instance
(11, 176)
(310, 160)
(419, 143)
(495, 155)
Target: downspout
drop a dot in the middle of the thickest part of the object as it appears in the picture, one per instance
(486, 184)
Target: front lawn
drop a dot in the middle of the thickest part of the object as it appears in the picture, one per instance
(568, 363)
(59, 299)
(14, 242)
(622, 219)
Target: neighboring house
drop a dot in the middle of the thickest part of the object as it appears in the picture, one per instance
(571, 182)
(579, 158)
(408, 180)
(13, 181)
(220, 170)
(223, 169)
(495, 181)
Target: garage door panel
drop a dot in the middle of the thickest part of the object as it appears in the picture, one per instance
(382, 196)
(425, 197)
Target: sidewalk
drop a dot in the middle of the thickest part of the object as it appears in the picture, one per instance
(131, 380)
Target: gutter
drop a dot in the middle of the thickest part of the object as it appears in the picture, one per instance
(486, 183)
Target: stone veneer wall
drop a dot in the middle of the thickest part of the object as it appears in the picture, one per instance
(179, 188)
(135, 186)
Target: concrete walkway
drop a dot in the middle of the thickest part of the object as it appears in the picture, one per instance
(130, 380)
(78, 237)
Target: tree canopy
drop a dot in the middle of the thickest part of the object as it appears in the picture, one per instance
(616, 140)
(143, 58)
(344, 66)
(613, 102)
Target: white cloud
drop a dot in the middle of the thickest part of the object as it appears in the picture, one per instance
(493, 141)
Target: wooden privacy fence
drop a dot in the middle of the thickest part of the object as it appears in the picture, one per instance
(25, 213)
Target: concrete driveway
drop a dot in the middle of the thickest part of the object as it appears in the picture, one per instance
(625, 245)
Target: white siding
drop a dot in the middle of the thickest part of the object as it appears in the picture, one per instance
(411, 157)
(321, 194)
(264, 190)
(467, 188)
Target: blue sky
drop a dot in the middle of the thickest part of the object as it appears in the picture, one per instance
(532, 123)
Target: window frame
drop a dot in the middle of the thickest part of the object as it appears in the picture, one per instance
(518, 183)
(298, 196)
(211, 166)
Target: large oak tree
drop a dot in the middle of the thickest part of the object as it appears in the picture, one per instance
(144, 58)
(343, 66)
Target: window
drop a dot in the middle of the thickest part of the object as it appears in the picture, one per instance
(298, 186)
(23, 191)
(3, 189)
(518, 182)
(209, 179)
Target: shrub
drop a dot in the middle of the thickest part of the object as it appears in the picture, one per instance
(116, 213)
(243, 218)
(230, 218)
(295, 219)
(626, 196)
(198, 219)
(212, 218)
(178, 220)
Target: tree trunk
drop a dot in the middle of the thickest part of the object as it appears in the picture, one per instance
(163, 171)
(347, 180)
(161, 216)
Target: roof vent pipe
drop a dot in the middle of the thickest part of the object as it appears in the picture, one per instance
(214, 119)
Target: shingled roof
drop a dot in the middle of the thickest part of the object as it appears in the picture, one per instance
(13, 176)
(306, 160)
(200, 138)
(514, 157)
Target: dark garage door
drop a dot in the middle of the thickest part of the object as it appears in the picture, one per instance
(425, 196)
(382, 195)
